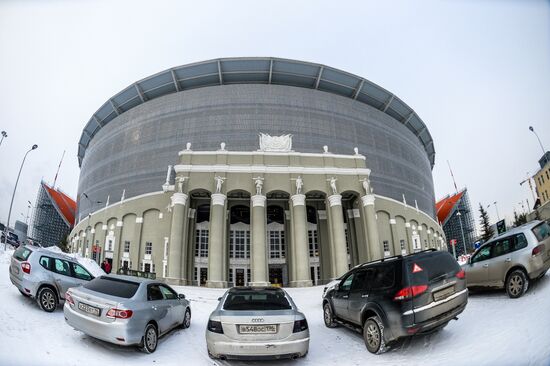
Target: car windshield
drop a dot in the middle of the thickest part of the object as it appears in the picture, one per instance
(541, 231)
(431, 267)
(113, 286)
(22, 253)
(268, 299)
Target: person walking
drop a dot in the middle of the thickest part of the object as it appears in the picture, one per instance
(106, 266)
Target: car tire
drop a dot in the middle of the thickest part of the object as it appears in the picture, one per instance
(517, 283)
(47, 299)
(328, 316)
(373, 335)
(186, 323)
(150, 339)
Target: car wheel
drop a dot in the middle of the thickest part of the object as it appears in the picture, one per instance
(150, 339)
(373, 335)
(516, 283)
(328, 316)
(47, 299)
(186, 319)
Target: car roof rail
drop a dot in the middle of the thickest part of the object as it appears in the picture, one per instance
(381, 260)
(423, 251)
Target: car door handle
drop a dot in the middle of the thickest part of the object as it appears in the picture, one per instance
(364, 295)
(154, 307)
(485, 265)
(508, 259)
(345, 296)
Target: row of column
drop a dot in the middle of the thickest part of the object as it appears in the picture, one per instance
(299, 259)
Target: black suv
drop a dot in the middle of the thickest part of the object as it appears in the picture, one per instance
(397, 297)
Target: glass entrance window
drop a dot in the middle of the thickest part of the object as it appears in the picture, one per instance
(239, 243)
(313, 243)
(276, 244)
(201, 243)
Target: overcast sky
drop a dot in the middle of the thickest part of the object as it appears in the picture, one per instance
(477, 72)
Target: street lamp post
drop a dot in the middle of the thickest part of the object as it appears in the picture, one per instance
(4, 134)
(34, 147)
(461, 230)
(496, 208)
(533, 130)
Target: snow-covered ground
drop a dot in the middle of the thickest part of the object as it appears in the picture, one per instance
(493, 330)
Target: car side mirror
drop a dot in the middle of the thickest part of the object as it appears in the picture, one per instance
(181, 296)
(219, 299)
(337, 287)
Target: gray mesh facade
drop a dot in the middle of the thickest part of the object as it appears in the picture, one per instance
(133, 150)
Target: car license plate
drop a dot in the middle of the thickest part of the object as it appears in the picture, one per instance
(446, 292)
(258, 329)
(88, 309)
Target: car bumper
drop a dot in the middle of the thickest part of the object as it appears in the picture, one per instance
(538, 267)
(116, 332)
(219, 345)
(23, 285)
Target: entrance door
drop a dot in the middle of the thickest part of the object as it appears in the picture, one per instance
(239, 277)
(276, 276)
(204, 276)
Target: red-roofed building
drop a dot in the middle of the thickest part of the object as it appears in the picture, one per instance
(454, 214)
(53, 217)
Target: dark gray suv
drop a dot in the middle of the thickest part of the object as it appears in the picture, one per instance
(397, 297)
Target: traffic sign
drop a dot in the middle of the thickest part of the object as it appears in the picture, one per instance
(453, 241)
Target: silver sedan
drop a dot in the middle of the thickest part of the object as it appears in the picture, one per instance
(126, 310)
(257, 323)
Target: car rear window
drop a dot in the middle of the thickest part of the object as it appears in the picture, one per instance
(22, 253)
(113, 286)
(541, 231)
(431, 267)
(256, 300)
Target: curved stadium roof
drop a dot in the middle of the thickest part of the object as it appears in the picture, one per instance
(256, 70)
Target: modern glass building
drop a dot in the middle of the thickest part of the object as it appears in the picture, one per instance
(455, 215)
(53, 216)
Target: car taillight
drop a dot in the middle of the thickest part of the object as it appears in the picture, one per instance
(119, 313)
(299, 326)
(538, 249)
(26, 267)
(215, 326)
(410, 292)
(461, 274)
(69, 298)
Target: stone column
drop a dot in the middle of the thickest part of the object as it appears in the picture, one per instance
(300, 242)
(336, 221)
(176, 241)
(324, 246)
(258, 257)
(372, 227)
(118, 245)
(395, 237)
(216, 241)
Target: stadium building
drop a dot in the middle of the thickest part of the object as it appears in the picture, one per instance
(254, 171)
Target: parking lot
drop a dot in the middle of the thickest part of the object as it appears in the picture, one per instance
(493, 330)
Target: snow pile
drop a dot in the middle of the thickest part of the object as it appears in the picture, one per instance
(87, 263)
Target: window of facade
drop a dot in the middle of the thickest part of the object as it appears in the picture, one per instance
(148, 247)
(126, 246)
(402, 244)
(276, 244)
(239, 243)
(201, 243)
(313, 243)
(386, 246)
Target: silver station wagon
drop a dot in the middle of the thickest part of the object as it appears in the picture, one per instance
(257, 323)
(511, 260)
(126, 310)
